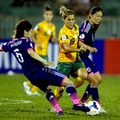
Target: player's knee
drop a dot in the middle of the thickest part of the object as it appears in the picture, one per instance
(99, 80)
(94, 82)
(66, 82)
(60, 89)
(83, 76)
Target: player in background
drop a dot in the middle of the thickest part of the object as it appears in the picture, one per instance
(68, 42)
(87, 35)
(42, 33)
(34, 67)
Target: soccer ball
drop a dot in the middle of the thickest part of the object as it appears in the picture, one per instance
(94, 108)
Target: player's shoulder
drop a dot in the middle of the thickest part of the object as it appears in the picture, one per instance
(76, 26)
(53, 24)
(62, 29)
(85, 27)
(40, 23)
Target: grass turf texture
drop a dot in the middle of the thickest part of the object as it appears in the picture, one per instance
(13, 98)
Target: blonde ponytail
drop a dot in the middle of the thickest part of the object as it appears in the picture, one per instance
(64, 12)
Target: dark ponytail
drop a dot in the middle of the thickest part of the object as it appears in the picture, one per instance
(20, 27)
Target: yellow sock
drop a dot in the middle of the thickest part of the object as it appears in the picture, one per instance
(29, 83)
(78, 82)
(34, 89)
(58, 92)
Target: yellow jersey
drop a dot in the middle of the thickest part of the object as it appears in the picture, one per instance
(67, 35)
(44, 33)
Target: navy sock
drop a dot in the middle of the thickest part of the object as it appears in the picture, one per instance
(86, 94)
(72, 94)
(70, 89)
(94, 93)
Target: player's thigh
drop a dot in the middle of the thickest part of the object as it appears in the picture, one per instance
(79, 69)
(92, 79)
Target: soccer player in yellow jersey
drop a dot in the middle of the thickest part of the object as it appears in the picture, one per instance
(67, 57)
(42, 33)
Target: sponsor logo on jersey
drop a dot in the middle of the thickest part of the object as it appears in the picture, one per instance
(82, 36)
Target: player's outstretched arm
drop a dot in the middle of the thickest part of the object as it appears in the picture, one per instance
(34, 55)
(91, 49)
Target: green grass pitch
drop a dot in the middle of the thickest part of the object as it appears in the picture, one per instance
(16, 105)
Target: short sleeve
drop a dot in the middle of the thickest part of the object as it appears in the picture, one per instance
(29, 44)
(6, 47)
(63, 38)
(36, 28)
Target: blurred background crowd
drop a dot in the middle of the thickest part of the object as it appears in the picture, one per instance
(80, 7)
(13, 10)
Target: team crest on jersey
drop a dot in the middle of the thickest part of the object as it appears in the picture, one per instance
(64, 37)
(82, 36)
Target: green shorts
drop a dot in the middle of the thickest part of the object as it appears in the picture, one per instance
(67, 67)
(77, 65)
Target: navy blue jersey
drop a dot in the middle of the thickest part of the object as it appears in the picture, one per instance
(19, 48)
(87, 34)
(34, 70)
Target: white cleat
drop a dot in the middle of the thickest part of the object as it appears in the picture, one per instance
(52, 110)
(102, 110)
(26, 88)
(28, 91)
(35, 93)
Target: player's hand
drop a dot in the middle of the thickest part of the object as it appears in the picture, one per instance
(93, 49)
(82, 49)
(49, 64)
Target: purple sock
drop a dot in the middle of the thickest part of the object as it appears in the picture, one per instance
(86, 94)
(72, 94)
(94, 93)
(53, 101)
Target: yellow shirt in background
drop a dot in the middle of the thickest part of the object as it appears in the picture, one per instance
(67, 35)
(43, 34)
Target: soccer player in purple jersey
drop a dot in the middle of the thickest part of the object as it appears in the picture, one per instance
(87, 35)
(34, 67)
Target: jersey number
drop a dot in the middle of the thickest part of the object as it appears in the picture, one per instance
(19, 55)
(72, 41)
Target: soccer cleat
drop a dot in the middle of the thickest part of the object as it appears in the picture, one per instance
(26, 88)
(52, 110)
(60, 113)
(102, 110)
(81, 107)
(35, 93)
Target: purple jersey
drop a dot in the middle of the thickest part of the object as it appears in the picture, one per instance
(19, 48)
(87, 34)
(34, 70)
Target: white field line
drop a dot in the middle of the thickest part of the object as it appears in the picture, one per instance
(11, 101)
